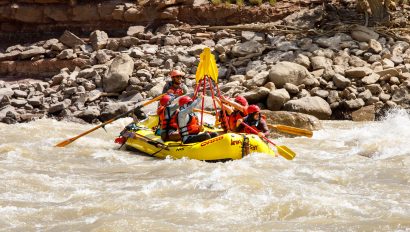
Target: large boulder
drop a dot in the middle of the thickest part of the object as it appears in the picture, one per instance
(256, 95)
(315, 106)
(363, 34)
(119, 73)
(288, 72)
(294, 119)
(277, 98)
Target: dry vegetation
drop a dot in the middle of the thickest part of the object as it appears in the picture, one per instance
(243, 2)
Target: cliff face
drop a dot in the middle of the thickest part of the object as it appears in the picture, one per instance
(25, 19)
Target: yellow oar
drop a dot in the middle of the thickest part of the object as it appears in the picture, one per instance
(284, 151)
(68, 141)
(292, 130)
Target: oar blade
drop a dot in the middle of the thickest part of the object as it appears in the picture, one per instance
(294, 130)
(63, 143)
(285, 152)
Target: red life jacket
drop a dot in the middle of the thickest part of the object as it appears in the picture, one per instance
(177, 90)
(171, 122)
(233, 118)
(192, 127)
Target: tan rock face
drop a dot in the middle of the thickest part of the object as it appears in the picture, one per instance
(294, 119)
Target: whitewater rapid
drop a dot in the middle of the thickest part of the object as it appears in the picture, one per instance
(349, 176)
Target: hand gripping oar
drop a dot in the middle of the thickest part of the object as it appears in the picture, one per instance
(292, 130)
(282, 150)
(68, 141)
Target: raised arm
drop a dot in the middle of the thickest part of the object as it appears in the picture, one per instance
(234, 105)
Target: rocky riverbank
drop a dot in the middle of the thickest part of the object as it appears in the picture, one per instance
(353, 75)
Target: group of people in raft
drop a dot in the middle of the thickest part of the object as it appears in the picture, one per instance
(179, 122)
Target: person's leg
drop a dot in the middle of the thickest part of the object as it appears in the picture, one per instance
(174, 136)
(213, 134)
(197, 138)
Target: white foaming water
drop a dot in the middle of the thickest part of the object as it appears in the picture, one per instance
(348, 177)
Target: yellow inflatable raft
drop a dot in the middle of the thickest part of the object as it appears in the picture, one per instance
(227, 146)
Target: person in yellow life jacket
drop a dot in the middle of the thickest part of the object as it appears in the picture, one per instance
(254, 120)
(167, 114)
(175, 86)
(237, 111)
(188, 122)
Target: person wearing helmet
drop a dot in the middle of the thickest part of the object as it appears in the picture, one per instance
(254, 120)
(235, 110)
(175, 86)
(188, 122)
(167, 114)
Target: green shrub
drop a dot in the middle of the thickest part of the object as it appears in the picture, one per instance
(255, 2)
(216, 2)
(272, 2)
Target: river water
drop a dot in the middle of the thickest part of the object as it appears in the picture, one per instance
(348, 177)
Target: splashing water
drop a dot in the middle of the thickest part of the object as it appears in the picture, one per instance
(350, 176)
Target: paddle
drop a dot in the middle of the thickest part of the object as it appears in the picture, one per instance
(68, 141)
(292, 130)
(282, 150)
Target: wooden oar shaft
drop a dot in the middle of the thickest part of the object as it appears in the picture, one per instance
(70, 140)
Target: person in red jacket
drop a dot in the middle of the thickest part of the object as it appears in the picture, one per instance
(188, 122)
(254, 120)
(167, 114)
(234, 110)
(175, 86)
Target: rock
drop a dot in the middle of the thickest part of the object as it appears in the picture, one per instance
(365, 95)
(156, 90)
(277, 98)
(401, 95)
(196, 49)
(288, 72)
(98, 39)
(251, 35)
(340, 81)
(171, 40)
(70, 40)
(119, 73)
(384, 97)
(18, 102)
(375, 89)
(358, 72)
(303, 60)
(390, 71)
(331, 42)
(90, 113)
(299, 120)
(291, 88)
(315, 106)
(353, 104)
(112, 110)
(20, 93)
(144, 73)
(320, 62)
(321, 93)
(366, 113)
(67, 54)
(256, 95)
(363, 34)
(258, 80)
(387, 64)
(247, 48)
(35, 51)
(375, 46)
(35, 101)
(8, 92)
(102, 57)
(135, 30)
(239, 78)
(370, 79)
(57, 107)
